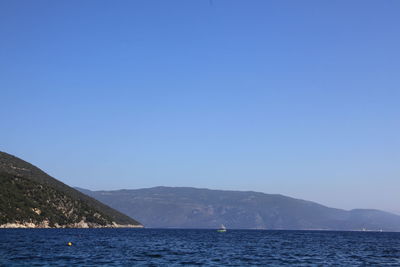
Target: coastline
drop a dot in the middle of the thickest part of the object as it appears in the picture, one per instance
(81, 224)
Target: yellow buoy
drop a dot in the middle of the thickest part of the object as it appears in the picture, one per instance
(69, 243)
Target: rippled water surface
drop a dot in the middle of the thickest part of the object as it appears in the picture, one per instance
(127, 247)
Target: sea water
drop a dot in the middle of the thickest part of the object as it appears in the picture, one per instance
(161, 247)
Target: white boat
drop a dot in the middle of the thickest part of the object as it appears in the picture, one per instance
(222, 229)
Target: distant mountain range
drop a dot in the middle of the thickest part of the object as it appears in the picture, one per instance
(181, 207)
(30, 198)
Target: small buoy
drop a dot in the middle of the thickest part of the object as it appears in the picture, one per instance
(69, 243)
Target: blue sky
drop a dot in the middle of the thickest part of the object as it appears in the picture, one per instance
(293, 97)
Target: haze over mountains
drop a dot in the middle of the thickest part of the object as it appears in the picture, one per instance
(30, 198)
(182, 207)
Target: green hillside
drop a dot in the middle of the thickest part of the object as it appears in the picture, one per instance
(30, 197)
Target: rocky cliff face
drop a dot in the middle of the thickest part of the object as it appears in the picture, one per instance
(29, 198)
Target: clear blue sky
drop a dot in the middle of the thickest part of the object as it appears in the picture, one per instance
(294, 97)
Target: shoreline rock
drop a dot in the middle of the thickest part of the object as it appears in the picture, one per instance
(80, 225)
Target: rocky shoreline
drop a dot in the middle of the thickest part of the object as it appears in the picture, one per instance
(81, 224)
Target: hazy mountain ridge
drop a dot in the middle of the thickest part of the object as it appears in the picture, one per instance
(182, 207)
(31, 198)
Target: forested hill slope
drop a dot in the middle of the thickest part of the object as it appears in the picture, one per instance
(183, 207)
(31, 198)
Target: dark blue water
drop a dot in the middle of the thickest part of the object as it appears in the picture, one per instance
(127, 247)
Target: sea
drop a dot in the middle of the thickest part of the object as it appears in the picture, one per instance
(176, 247)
